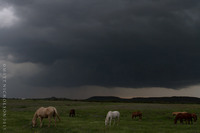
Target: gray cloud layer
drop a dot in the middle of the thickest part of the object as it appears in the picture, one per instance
(123, 43)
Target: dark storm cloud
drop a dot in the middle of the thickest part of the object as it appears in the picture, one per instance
(138, 43)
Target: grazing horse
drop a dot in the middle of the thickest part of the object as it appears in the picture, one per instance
(42, 112)
(183, 116)
(72, 113)
(175, 113)
(135, 114)
(112, 115)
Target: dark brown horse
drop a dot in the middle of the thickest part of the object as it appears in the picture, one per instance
(137, 114)
(72, 113)
(183, 116)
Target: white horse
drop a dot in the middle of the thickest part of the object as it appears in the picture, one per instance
(42, 112)
(112, 115)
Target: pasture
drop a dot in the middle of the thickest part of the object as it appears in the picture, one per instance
(90, 117)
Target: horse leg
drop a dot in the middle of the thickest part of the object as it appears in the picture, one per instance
(175, 121)
(118, 121)
(181, 121)
(49, 121)
(110, 121)
(190, 120)
(40, 121)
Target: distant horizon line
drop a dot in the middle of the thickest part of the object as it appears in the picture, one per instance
(96, 96)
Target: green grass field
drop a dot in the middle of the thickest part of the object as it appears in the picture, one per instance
(90, 117)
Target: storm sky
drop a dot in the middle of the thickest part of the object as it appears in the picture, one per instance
(78, 49)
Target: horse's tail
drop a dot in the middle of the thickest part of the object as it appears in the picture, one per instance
(57, 113)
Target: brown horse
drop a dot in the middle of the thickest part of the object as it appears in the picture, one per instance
(137, 114)
(183, 116)
(72, 113)
(42, 112)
